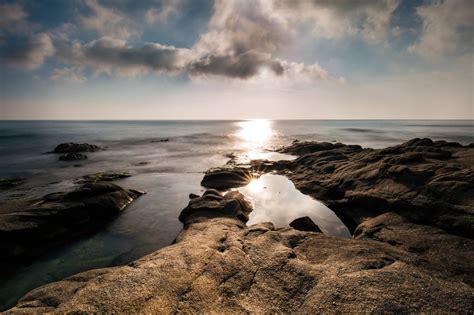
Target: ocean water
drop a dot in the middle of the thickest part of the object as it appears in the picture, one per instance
(168, 172)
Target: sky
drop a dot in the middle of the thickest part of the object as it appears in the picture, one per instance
(236, 59)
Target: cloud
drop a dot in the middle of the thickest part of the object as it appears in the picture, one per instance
(106, 21)
(12, 18)
(29, 55)
(447, 28)
(334, 19)
(161, 15)
(70, 75)
(242, 66)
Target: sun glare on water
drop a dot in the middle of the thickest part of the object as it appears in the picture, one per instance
(256, 131)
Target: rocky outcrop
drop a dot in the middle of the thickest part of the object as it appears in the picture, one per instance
(219, 265)
(305, 224)
(72, 147)
(71, 151)
(427, 182)
(227, 177)
(56, 218)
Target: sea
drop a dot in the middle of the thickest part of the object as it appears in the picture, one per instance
(167, 159)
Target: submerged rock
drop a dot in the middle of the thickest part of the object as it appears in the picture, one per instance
(6, 183)
(58, 217)
(305, 224)
(72, 156)
(72, 147)
(219, 265)
(103, 177)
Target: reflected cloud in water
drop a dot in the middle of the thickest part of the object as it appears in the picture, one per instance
(276, 199)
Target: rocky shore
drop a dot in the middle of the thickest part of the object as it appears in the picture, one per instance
(30, 228)
(410, 208)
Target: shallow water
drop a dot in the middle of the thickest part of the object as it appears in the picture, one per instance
(169, 171)
(275, 199)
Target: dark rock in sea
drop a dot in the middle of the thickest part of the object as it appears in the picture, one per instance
(305, 224)
(56, 218)
(161, 140)
(75, 147)
(6, 183)
(102, 177)
(72, 156)
(226, 178)
(219, 265)
(427, 182)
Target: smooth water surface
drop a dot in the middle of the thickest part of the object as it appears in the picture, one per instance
(275, 199)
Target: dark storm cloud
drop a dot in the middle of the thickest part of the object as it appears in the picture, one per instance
(242, 66)
(30, 54)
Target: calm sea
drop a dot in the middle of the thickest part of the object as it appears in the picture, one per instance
(168, 171)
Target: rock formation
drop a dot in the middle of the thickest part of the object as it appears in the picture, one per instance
(219, 265)
(33, 228)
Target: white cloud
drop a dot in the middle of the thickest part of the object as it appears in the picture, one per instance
(161, 15)
(106, 21)
(70, 75)
(441, 28)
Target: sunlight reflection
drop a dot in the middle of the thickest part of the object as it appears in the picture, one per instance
(255, 186)
(255, 132)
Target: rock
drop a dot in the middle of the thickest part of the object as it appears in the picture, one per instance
(226, 178)
(6, 183)
(193, 196)
(424, 181)
(102, 177)
(72, 156)
(218, 265)
(213, 204)
(161, 140)
(305, 224)
(72, 147)
(59, 217)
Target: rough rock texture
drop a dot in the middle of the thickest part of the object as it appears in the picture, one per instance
(227, 177)
(72, 147)
(425, 181)
(220, 265)
(305, 224)
(31, 229)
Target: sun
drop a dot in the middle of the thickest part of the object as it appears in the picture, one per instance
(256, 131)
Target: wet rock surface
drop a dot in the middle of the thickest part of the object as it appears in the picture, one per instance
(72, 147)
(72, 156)
(427, 182)
(102, 177)
(218, 264)
(31, 228)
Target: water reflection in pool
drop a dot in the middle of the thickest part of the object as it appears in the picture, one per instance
(276, 199)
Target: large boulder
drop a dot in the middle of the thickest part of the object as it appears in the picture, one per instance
(227, 177)
(59, 217)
